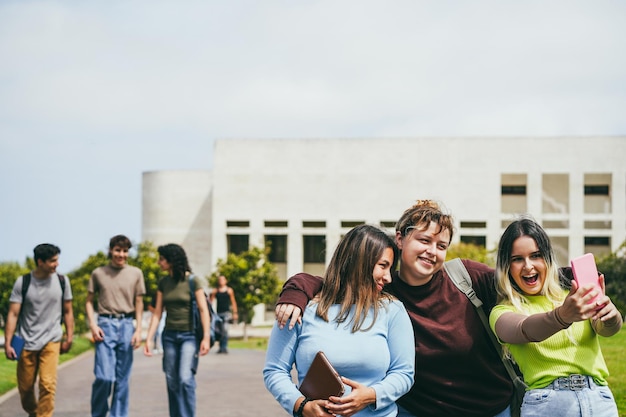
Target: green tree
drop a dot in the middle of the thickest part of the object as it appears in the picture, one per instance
(473, 252)
(146, 258)
(253, 279)
(613, 266)
(79, 278)
(9, 272)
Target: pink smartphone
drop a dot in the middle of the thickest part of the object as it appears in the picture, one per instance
(585, 272)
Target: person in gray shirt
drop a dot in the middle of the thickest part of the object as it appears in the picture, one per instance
(36, 317)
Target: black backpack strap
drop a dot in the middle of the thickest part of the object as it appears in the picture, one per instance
(62, 282)
(25, 285)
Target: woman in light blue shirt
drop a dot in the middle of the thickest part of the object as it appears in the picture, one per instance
(365, 333)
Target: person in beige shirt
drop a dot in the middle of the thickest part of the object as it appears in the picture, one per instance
(119, 288)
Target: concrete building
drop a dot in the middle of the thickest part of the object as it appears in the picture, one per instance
(302, 195)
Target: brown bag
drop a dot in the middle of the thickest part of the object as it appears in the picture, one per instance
(321, 380)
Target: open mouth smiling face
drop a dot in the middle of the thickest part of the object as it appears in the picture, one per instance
(528, 268)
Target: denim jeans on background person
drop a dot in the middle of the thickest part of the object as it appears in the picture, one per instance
(180, 362)
(404, 413)
(112, 366)
(227, 317)
(595, 401)
(158, 337)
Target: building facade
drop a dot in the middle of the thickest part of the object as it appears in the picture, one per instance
(301, 195)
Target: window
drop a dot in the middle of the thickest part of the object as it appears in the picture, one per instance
(473, 225)
(237, 243)
(278, 248)
(513, 191)
(560, 245)
(237, 223)
(276, 223)
(597, 189)
(351, 224)
(600, 224)
(314, 249)
(597, 241)
(475, 240)
(556, 224)
(314, 224)
(598, 245)
(555, 193)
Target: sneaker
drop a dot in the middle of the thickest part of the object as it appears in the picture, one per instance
(222, 351)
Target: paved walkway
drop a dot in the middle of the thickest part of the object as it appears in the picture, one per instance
(228, 386)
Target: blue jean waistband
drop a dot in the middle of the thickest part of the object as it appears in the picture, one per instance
(574, 382)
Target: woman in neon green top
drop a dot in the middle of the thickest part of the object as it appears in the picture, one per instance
(551, 333)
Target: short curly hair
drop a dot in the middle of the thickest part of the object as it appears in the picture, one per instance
(421, 214)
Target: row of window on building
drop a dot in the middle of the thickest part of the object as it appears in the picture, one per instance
(314, 245)
(555, 197)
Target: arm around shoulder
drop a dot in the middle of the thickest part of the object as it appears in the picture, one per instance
(300, 289)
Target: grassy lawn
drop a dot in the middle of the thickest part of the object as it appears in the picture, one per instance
(253, 343)
(614, 350)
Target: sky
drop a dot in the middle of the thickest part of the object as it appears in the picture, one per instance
(93, 94)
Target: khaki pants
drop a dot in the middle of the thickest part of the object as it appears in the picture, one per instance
(45, 363)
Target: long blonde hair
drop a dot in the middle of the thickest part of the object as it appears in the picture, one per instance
(349, 279)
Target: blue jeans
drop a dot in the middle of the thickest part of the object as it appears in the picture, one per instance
(158, 337)
(593, 401)
(226, 317)
(402, 412)
(180, 361)
(112, 365)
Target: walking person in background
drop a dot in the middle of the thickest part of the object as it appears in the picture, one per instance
(180, 347)
(365, 333)
(119, 289)
(458, 371)
(35, 312)
(226, 309)
(552, 333)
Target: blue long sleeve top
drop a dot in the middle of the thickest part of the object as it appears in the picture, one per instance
(382, 357)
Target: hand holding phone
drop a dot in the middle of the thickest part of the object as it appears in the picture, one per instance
(585, 272)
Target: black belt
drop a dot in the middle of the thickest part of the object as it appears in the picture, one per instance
(118, 316)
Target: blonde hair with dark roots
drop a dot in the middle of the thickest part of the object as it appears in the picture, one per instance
(349, 279)
(421, 214)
